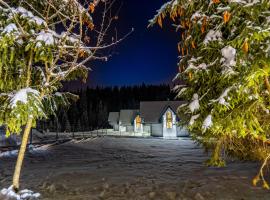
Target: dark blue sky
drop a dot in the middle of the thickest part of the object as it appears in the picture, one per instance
(147, 56)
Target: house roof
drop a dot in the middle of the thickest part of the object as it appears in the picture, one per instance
(151, 111)
(113, 117)
(127, 116)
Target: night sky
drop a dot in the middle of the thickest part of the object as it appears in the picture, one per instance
(148, 55)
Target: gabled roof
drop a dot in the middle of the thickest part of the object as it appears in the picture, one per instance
(127, 116)
(151, 111)
(113, 117)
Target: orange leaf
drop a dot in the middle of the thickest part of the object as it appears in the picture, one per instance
(193, 44)
(216, 1)
(190, 75)
(245, 46)
(91, 7)
(226, 17)
(81, 53)
(91, 26)
(203, 29)
(159, 20)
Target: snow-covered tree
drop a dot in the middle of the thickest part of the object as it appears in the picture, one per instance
(43, 43)
(225, 66)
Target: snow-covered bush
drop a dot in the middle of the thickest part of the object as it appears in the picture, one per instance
(225, 61)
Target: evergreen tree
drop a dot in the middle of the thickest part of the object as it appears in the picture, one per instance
(84, 111)
(42, 44)
(225, 67)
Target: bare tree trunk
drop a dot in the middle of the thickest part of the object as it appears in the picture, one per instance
(17, 172)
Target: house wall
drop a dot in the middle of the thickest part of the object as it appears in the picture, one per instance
(116, 127)
(122, 128)
(130, 128)
(157, 130)
(126, 128)
(137, 129)
(147, 128)
(169, 132)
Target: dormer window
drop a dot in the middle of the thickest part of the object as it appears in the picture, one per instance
(169, 119)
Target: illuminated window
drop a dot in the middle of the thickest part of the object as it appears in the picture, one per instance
(138, 121)
(169, 120)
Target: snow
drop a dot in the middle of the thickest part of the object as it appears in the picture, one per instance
(192, 65)
(21, 195)
(207, 123)
(9, 154)
(193, 118)
(71, 38)
(228, 54)
(221, 100)
(194, 105)
(39, 150)
(196, 15)
(247, 3)
(202, 66)
(24, 13)
(132, 168)
(22, 96)
(268, 19)
(38, 20)
(27, 14)
(58, 94)
(45, 37)
(32, 150)
(212, 36)
(175, 4)
(236, 1)
(182, 91)
(10, 28)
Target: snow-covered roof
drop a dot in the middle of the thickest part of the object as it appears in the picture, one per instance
(151, 111)
(127, 116)
(113, 117)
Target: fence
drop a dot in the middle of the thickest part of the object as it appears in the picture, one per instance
(43, 137)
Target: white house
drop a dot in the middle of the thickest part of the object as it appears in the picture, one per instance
(157, 118)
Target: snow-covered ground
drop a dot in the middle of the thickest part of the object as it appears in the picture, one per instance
(25, 194)
(31, 149)
(132, 168)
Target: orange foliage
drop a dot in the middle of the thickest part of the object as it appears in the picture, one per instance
(245, 46)
(226, 17)
(216, 1)
(91, 7)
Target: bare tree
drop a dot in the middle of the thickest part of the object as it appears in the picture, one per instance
(45, 43)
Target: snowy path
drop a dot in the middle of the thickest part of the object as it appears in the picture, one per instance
(132, 168)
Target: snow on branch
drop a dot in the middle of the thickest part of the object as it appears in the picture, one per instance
(22, 96)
